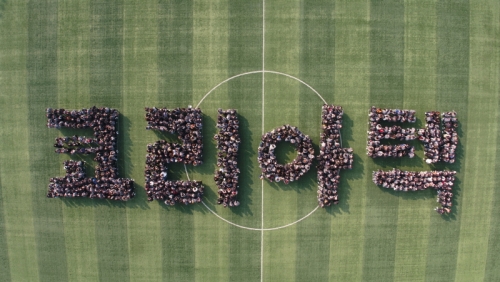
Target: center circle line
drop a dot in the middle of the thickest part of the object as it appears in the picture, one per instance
(198, 105)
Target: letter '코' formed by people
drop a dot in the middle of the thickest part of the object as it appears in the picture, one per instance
(105, 184)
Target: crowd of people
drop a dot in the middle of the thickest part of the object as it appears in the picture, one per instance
(399, 180)
(76, 184)
(391, 115)
(228, 140)
(450, 137)
(73, 145)
(268, 163)
(439, 146)
(177, 191)
(106, 183)
(377, 132)
(332, 157)
(187, 124)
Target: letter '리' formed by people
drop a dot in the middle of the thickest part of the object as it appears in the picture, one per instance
(186, 123)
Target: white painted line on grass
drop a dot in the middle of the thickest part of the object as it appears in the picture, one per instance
(259, 229)
(261, 71)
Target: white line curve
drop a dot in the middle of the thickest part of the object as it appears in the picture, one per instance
(260, 229)
(261, 71)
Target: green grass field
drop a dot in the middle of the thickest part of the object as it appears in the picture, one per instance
(128, 54)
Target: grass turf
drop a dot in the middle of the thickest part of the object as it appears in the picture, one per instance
(128, 54)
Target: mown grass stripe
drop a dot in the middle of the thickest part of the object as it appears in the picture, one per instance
(452, 94)
(106, 90)
(415, 208)
(245, 36)
(245, 54)
(386, 91)
(210, 60)
(140, 89)
(317, 32)
(245, 95)
(280, 200)
(351, 91)
(4, 251)
(175, 87)
(479, 183)
(492, 268)
(244, 245)
(282, 49)
(73, 42)
(17, 243)
(41, 67)
(16, 198)
(175, 53)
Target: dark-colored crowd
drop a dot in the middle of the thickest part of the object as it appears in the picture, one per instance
(332, 157)
(268, 163)
(399, 180)
(74, 145)
(439, 146)
(377, 132)
(391, 115)
(228, 140)
(106, 183)
(187, 124)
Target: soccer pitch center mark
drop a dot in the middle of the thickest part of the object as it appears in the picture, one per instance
(210, 92)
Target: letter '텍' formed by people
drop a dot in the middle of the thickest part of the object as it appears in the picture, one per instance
(438, 146)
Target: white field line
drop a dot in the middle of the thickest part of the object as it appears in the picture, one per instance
(259, 229)
(261, 71)
(251, 228)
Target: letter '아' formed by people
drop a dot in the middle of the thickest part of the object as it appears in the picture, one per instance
(106, 184)
(187, 124)
(332, 157)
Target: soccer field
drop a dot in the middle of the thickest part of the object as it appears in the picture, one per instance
(274, 61)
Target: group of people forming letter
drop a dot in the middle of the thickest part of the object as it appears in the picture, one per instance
(105, 184)
(186, 123)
